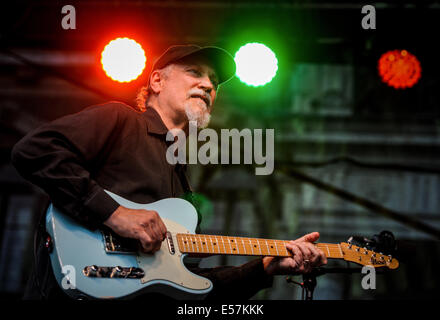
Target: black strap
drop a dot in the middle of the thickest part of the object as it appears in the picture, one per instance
(181, 171)
(189, 193)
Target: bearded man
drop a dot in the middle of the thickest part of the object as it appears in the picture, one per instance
(114, 147)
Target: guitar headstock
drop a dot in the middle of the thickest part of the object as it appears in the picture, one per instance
(367, 257)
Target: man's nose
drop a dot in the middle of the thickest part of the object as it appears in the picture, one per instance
(206, 84)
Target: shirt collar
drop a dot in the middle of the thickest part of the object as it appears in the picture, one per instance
(154, 121)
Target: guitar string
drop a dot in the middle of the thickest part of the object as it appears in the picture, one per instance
(258, 241)
(333, 249)
(277, 243)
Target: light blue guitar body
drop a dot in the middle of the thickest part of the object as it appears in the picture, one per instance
(76, 248)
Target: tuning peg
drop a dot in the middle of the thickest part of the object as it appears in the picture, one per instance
(350, 242)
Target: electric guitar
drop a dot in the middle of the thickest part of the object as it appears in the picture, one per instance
(101, 265)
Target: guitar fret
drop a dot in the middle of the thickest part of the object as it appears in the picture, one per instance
(195, 242)
(189, 242)
(202, 242)
(196, 239)
(251, 246)
(186, 239)
(224, 248)
(212, 244)
(230, 245)
(181, 240)
(198, 243)
(339, 246)
(236, 244)
(206, 244)
(217, 244)
(194, 245)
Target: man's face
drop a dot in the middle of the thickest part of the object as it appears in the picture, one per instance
(190, 88)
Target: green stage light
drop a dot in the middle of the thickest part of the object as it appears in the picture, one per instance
(256, 64)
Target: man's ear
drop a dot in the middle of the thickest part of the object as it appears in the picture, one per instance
(156, 81)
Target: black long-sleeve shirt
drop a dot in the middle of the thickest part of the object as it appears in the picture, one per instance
(113, 147)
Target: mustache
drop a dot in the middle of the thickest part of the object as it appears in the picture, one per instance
(204, 95)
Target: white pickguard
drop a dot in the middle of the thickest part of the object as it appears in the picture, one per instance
(165, 266)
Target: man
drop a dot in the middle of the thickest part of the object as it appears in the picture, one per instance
(112, 146)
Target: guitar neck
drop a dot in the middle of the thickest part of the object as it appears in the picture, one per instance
(200, 244)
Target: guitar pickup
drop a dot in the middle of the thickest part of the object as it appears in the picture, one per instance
(113, 272)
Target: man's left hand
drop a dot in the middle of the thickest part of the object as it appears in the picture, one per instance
(305, 256)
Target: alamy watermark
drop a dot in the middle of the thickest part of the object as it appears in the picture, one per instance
(369, 280)
(69, 279)
(369, 20)
(69, 20)
(209, 152)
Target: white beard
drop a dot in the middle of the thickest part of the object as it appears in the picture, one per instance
(201, 117)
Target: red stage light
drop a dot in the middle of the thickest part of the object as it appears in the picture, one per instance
(399, 69)
(123, 59)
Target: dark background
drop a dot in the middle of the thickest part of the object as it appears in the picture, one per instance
(353, 156)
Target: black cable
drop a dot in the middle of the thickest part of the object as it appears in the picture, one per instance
(383, 166)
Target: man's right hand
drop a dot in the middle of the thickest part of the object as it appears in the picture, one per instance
(144, 225)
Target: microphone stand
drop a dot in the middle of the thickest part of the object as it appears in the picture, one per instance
(309, 279)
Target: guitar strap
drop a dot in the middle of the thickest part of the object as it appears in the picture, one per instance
(181, 170)
(188, 193)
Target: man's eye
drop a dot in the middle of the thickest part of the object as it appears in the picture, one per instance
(194, 71)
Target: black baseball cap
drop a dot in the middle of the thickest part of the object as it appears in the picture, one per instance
(222, 61)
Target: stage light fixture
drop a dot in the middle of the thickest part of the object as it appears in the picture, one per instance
(123, 59)
(399, 69)
(256, 64)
